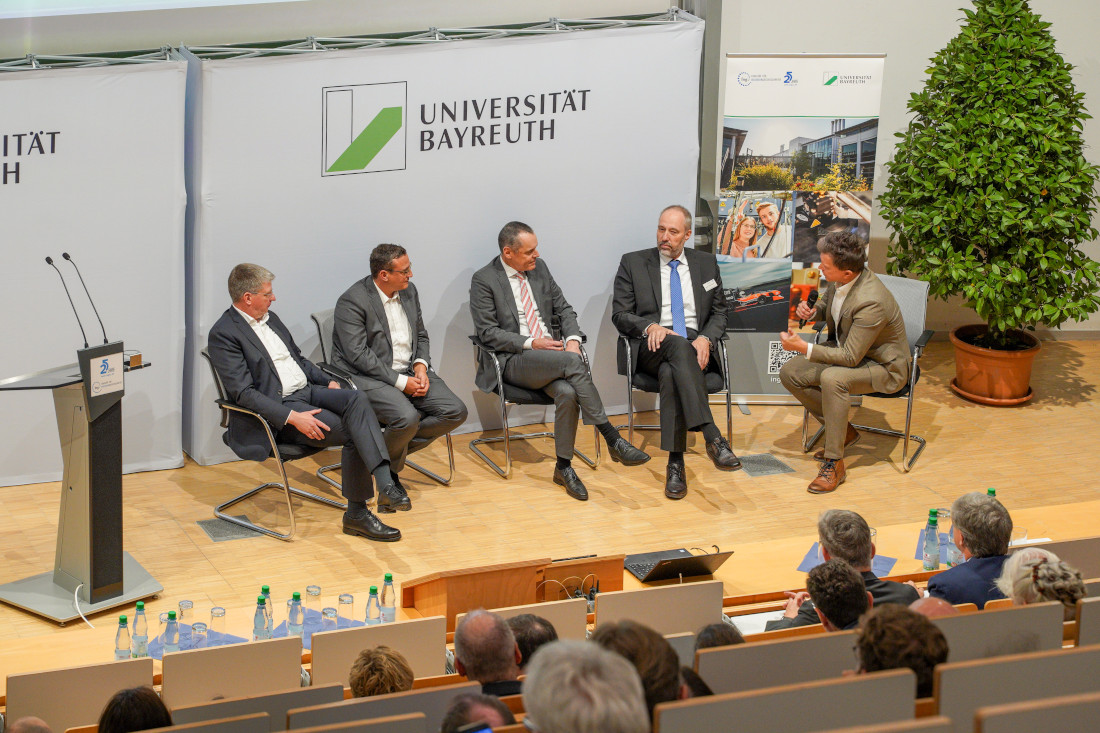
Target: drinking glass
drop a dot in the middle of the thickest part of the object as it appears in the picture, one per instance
(217, 626)
(198, 635)
(345, 609)
(328, 619)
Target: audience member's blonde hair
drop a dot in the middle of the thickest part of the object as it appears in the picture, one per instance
(1034, 575)
(379, 671)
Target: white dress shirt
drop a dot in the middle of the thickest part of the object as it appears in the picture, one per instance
(400, 336)
(839, 296)
(290, 374)
(691, 321)
(524, 331)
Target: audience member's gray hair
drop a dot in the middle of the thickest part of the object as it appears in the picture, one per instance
(580, 687)
(486, 647)
(984, 524)
(247, 278)
(1035, 575)
(846, 536)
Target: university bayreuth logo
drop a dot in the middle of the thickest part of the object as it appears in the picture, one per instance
(363, 128)
(829, 78)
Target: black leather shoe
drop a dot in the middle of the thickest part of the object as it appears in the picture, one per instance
(676, 486)
(722, 455)
(366, 524)
(568, 478)
(621, 451)
(392, 498)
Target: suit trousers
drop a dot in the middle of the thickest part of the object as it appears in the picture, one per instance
(683, 389)
(352, 424)
(412, 423)
(563, 376)
(826, 391)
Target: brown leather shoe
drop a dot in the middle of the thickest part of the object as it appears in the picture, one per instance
(850, 438)
(832, 475)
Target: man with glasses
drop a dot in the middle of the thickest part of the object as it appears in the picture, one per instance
(380, 340)
(262, 369)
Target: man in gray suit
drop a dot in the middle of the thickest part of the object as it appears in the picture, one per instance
(515, 305)
(379, 338)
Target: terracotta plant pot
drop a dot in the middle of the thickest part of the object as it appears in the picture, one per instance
(992, 376)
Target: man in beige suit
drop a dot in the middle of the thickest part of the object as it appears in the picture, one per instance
(867, 350)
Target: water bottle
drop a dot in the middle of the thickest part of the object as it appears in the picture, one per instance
(295, 616)
(932, 542)
(122, 640)
(259, 621)
(139, 645)
(172, 634)
(389, 600)
(374, 610)
(265, 591)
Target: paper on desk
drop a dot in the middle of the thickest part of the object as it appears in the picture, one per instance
(881, 565)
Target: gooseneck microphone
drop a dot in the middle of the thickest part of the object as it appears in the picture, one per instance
(811, 301)
(49, 261)
(94, 310)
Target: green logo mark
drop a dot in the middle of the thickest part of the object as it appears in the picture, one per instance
(370, 141)
(830, 80)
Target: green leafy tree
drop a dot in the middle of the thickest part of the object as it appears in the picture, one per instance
(765, 177)
(990, 196)
(841, 177)
(802, 164)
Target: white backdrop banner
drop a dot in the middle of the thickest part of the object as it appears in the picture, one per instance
(304, 164)
(91, 163)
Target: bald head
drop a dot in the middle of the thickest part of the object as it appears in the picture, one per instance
(29, 724)
(485, 648)
(933, 607)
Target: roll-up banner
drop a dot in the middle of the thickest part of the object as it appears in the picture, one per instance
(91, 163)
(797, 163)
(304, 164)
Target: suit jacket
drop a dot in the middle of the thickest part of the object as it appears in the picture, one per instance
(971, 582)
(496, 320)
(637, 299)
(870, 330)
(882, 592)
(361, 342)
(250, 379)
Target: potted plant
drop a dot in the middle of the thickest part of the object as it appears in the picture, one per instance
(990, 197)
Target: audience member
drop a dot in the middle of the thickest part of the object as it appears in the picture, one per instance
(930, 607)
(1034, 575)
(380, 671)
(651, 655)
(982, 530)
(694, 683)
(531, 632)
(486, 652)
(844, 535)
(894, 637)
(838, 594)
(471, 708)
(718, 634)
(577, 687)
(29, 724)
(138, 708)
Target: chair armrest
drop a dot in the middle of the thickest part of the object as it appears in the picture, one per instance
(337, 374)
(925, 338)
(479, 345)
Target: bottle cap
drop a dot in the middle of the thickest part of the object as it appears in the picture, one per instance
(141, 605)
(932, 513)
(265, 589)
(389, 577)
(122, 620)
(260, 601)
(297, 596)
(373, 589)
(171, 615)
(991, 491)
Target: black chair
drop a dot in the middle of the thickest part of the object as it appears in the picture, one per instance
(912, 299)
(323, 320)
(281, 452)
(715, 381)
(512, 395)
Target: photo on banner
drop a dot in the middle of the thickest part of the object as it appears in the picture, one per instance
(758, 294)
(756, 224)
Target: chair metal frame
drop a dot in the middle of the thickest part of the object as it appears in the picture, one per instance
(723, 357)
(505, 404)
(219, 511)
(318, 318)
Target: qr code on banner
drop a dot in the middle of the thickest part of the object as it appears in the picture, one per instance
(777, 356)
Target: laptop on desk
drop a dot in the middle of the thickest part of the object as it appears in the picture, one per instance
(652, 566)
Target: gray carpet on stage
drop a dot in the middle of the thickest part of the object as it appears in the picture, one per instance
(764, 464)
(220, 530)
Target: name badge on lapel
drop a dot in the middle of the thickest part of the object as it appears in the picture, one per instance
(709, 285)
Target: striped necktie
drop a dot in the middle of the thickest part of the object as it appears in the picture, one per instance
(528, 304)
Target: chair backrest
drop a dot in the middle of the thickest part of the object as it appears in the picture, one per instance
(217, 385)
(963, 687)
(912, 298)
(252, 723)
(1092, 588)
(408, 723)
(1072, 712)
(85, 691)
(773, 663)
(933, 724)
(274, 704)
(432, 701)
(423, 643)
(669, 609)
(324, 320)
(880, 697)
(684, 645)
(236, 670)
(1088, 621)
(569, 617)
(1083, 554)
(997, 632)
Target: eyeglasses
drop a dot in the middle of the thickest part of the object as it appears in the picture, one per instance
(406, 272)
(269, 294)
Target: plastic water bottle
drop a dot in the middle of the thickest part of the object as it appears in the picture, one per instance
(265, 591)
(389, 600)
(139, 643)
(374, 609)
(932, 542)
(172, 634)
(259, 621)
(295, 616)
(122, 639)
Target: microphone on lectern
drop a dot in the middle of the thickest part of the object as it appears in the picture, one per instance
(49, 261)
(94, 310)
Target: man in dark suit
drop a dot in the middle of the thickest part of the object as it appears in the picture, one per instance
(670, 305)
(379, 338)
(262, 369)
(515, 305)
(982, 529)
(844, 535)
